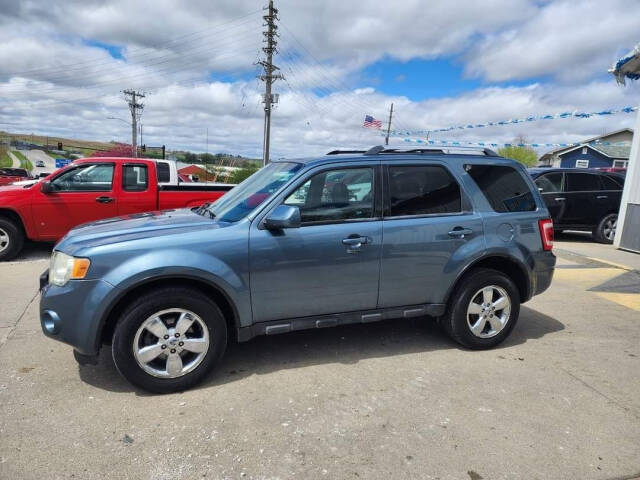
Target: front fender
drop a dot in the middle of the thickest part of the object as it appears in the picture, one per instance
(161, 264)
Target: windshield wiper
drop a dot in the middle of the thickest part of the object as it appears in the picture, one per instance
(201, 210)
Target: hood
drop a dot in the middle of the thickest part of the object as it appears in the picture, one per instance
(15, 188)
(133, 227)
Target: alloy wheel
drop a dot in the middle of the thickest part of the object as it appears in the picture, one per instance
(4, 240)
(171, 343)
(609, 229)
(488, 311)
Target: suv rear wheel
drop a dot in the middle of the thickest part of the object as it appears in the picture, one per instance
(483, 309)
(169, 340)
(605, 232)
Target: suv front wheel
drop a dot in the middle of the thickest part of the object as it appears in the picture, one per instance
(168, 340)
(483, 309)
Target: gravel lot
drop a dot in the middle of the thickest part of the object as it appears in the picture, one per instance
(560, 399)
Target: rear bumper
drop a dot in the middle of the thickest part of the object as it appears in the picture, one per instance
(545, 263)
(71, 314)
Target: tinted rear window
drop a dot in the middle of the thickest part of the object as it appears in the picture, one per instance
(582, 182)
(163, 173)
(503, 187)
(611, 183)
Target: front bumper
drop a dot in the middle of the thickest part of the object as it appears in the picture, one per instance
(72, 314)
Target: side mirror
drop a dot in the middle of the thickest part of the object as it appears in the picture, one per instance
(46, 187)
(283, 216)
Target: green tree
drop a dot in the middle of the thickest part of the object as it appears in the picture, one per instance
(242, 174)
(525, 155)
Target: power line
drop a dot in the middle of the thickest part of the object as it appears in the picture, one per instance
(134, 108)
(269, 76)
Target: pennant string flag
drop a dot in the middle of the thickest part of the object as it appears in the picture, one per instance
(533, 118)
(458, 143)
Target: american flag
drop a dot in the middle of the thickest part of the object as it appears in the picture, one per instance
(370, 122)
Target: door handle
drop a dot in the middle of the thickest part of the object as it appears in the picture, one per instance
(104, 199)
(354, 242)
(600, 197)
(460, 232)
(559, 199)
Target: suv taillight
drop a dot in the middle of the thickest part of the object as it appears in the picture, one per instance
(546, 233)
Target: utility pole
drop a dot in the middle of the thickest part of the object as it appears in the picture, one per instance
(386, 140)
(269, 77)
(134, 106)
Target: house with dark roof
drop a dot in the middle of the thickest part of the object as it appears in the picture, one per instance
(609, 150)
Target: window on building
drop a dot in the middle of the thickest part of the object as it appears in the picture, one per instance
(335, 195)
(422, 190)
(620, 163)
(550, 182)
(582, 182)
(134, 178)
(582, 163)
(584, 150)
(503, 187)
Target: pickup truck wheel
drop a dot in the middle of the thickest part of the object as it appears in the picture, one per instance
(605, 232)
(169, 340)
(483, 309)
(11, 239)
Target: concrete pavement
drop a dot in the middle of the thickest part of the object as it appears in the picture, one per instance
(559, 399)
(581, 243)
(14, 159)
(35, 155)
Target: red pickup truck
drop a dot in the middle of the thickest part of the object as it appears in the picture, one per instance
(90, 189)
(10, 175)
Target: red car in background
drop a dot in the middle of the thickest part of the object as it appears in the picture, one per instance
(87, 190)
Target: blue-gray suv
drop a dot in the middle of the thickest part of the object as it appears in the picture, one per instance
(350, 237)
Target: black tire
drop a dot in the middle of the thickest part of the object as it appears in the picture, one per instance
(603, 233)
(150, 304)
(455, 322)
(15, 237)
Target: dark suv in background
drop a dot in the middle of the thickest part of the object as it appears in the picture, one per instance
(349, 237)
(581, 199)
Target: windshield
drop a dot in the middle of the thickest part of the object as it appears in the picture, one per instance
(247, 196)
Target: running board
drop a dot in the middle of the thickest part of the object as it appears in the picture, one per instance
(324, 321)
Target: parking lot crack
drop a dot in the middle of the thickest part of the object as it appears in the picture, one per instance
(17, 322)
(595, 390)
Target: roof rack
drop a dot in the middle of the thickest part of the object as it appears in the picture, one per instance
(380, 150)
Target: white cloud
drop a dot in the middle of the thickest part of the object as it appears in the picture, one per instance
(197, 63)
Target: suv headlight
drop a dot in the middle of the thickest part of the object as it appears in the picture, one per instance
(64, 267)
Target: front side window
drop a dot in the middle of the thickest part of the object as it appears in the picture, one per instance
(85, 178)
(582, 182)
(503, 187)
(422, 190)
(551, 182)
(335, 195)
(134, 178)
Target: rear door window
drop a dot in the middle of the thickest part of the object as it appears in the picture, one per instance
(422, 190)
(134, 178)
(582, 182)
(503, 187)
